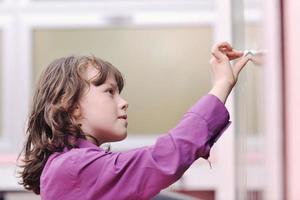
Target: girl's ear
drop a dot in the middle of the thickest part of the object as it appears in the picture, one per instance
(76, 113)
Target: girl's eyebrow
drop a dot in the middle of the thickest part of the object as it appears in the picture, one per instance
(115, 87)
(112, 84)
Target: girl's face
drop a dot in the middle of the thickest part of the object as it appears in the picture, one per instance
(102, 110)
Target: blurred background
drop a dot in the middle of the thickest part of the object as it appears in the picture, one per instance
(163, 49)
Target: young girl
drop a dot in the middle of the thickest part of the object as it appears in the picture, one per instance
(77, 107)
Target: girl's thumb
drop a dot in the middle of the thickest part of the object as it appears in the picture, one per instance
(215, 51)
(240, 64)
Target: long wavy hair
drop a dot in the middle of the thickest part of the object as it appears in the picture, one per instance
(51, 126)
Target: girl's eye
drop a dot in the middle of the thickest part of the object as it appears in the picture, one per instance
(111, 91)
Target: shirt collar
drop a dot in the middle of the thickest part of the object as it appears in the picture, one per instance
(82, 143)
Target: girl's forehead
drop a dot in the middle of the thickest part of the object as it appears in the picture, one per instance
(111, 80)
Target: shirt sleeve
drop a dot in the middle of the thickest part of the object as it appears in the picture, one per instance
(148, 170)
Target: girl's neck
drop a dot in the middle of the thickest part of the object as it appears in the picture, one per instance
(92, 139)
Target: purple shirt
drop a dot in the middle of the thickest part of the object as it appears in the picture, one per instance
(89, 172)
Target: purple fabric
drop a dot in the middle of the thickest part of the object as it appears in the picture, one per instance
(90, 172)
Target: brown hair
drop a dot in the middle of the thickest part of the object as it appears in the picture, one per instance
(51, 126)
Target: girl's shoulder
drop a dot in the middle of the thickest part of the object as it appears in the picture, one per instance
(70, 161)
(85, 151)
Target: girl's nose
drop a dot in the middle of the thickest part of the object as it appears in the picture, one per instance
(124, 104)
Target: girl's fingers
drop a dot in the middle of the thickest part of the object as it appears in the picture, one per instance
(224, 50)
(225, 45)
(234, 54)
(239, 65)
(217, 50)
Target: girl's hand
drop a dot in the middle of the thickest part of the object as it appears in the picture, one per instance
(225, 75)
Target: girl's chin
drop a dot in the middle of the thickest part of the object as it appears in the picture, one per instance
(122, 137)
(118, 137)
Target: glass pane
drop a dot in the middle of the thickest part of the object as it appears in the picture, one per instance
(166, 69)
(250, 104)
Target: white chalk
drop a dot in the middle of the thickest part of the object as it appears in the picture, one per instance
(253, 52)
